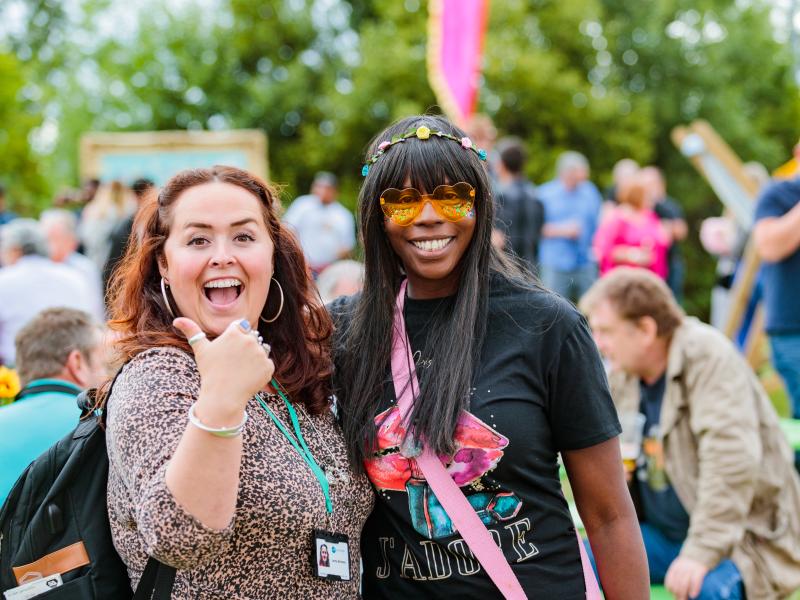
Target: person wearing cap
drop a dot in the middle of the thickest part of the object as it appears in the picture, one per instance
(325, 228)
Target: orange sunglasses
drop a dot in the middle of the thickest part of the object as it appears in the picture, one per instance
(451, 202)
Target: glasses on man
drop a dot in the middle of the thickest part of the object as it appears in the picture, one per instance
(451, 202)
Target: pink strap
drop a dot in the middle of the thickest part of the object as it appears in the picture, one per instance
(589, 580)
(452, 499)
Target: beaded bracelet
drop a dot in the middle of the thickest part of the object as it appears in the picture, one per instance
(225, 432)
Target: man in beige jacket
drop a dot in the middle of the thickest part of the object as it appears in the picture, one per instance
(719, 496)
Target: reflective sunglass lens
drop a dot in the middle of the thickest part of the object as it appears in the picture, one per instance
(451, 202)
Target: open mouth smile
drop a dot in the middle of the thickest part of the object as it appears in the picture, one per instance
(223, 292)
(432, 245)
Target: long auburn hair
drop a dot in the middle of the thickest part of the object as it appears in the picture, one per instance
(301, 334)
(456, 335)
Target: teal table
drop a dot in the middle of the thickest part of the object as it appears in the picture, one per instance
(791, 429)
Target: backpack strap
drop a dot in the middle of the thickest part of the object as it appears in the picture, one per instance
(164, 582)
(156, 581)
(30, 390)
(92, 402)
(455, 504)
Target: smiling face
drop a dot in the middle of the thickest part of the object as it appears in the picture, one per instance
(218, 258)
(431, 249)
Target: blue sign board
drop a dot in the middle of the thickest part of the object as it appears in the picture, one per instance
(159, 166)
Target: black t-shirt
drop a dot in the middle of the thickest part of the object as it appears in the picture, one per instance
(540, 389)
(520, 215)
(668, 209)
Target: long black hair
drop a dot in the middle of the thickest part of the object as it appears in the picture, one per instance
(456, 334)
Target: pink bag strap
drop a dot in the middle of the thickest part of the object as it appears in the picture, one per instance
(589, 580)
(452, 499)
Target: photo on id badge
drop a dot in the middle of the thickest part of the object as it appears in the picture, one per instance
(331, 556)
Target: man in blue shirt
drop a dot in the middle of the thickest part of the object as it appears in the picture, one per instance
(777, 239)
(571, 210)
(59, 352)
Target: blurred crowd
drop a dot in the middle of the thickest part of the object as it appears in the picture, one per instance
(571, 233)
(566, 231)
(66, 257)
(615, 252)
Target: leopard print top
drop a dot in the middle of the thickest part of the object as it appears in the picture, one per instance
(266, 551)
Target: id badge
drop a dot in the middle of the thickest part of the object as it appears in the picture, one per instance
(331, 556)
(34, 588)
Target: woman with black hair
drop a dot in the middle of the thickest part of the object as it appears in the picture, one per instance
(505, 376)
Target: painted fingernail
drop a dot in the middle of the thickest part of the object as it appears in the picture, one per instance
(244, 324)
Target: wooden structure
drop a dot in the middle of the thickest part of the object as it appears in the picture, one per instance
(157, 155)
(724, 171)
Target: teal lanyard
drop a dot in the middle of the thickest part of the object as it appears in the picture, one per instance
(301, 447)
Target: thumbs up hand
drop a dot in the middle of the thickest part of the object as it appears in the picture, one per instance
(233, 368)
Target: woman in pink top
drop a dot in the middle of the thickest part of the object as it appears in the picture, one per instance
(631, 233)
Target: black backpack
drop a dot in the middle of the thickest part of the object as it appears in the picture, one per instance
(58, 503)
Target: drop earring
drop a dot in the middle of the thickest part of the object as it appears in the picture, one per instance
(164, 286)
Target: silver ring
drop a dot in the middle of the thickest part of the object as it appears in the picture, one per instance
(201, 335)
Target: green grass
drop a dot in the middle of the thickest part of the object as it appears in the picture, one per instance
(657, 592)
(773, 383)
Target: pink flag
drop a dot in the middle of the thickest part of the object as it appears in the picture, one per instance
(455, 45)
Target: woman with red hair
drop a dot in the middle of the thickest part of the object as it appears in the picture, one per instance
(224, 454)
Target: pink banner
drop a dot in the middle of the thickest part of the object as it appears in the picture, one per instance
(455, 45)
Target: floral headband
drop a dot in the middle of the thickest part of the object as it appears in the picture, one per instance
(423, 133)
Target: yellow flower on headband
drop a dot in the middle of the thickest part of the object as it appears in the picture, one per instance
(423, 133)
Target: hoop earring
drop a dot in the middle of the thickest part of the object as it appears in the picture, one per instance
(166, 298)
(280, 308)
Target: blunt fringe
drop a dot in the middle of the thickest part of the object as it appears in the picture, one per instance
(303, 330)
(456, 335)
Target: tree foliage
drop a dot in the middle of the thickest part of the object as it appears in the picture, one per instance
(21, 173)
(609, 78)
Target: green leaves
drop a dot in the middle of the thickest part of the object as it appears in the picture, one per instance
(21, 172)
(609, 78)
